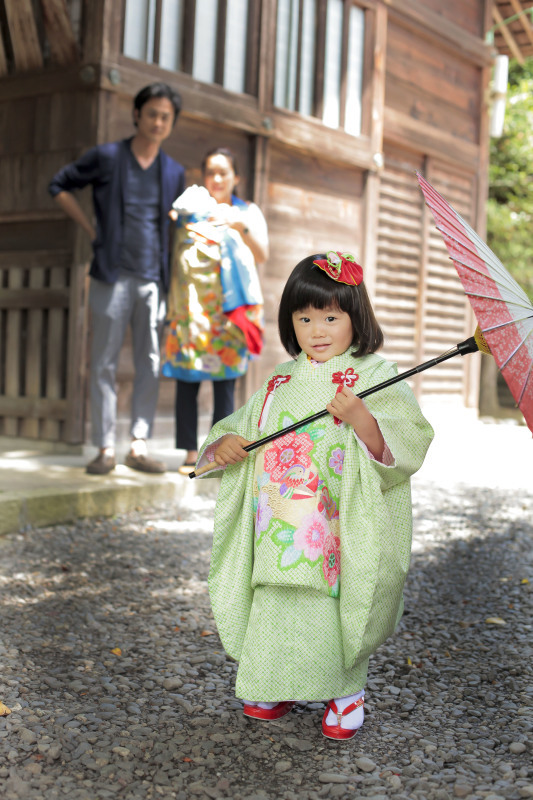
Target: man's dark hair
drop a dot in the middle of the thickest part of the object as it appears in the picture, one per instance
(157, 90)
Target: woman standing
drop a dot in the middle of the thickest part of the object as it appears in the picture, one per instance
(215, 302)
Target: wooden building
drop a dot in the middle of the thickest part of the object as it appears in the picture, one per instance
(330, 105)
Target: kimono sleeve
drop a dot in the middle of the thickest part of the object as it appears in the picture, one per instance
(376, 524)
(240, 423)
(230, 575)
(405, 430)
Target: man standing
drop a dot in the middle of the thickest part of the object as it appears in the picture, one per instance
(134, 184)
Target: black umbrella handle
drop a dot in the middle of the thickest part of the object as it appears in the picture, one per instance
(461, 349)
(468, 346)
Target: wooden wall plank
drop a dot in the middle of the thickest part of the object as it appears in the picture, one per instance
(34, 298)
(34, 259)
(63, 45)
(403, 130)
(431, 69)
(44, 234)
(454, 11)
(32, 357)
(12, 381)
(29, 408)
(55, 355)
(76, 367)
(47, 82)
(438, 28)
(23, 34)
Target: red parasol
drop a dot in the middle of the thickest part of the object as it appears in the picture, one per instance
(502, 308)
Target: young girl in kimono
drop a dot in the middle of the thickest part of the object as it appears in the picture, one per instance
(313, 530)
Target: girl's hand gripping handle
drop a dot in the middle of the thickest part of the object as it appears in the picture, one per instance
(229, 451)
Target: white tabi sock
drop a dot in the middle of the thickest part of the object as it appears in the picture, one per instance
(354, 719)
(261, 705)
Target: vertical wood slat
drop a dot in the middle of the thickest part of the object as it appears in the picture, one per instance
(374, 71)
(344, 62)
(189, 21)
(76, 366)
(299, 44)
(63, 46)
(320, 39)
(157, 31)
(220, 54)
(266, 57)
(23, 33)
(13, 353)
(252, 47)
(32, 362)
(102, 30)
(55, 355)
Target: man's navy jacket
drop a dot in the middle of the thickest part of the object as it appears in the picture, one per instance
(105, 168)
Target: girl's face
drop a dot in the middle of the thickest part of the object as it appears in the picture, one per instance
(219, 178)
(323, 333)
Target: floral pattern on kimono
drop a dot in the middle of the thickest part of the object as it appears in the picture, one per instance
(312, 509)
(203, 341)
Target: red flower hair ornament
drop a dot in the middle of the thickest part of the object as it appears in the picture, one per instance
(342, 267)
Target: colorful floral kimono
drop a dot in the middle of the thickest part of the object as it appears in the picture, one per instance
(215, 305)
(312, 534)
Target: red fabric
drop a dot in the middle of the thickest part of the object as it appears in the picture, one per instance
(252, 334)
(343, 379)
(347, 270)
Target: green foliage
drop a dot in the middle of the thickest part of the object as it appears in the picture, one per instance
(510, 206)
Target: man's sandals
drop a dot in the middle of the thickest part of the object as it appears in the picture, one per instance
(336, 731)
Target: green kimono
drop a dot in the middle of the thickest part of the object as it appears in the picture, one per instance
(312, 535)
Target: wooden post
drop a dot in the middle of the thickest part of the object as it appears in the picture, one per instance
(63, 46)
(77, 359)
(23, 34)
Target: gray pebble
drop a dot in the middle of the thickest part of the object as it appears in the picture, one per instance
(365, 764)
(447, 712)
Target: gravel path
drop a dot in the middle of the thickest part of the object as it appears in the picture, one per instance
(119, 687)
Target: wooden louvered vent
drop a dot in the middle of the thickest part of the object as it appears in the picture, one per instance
(398, 258)
(419, 301)
(447, 315)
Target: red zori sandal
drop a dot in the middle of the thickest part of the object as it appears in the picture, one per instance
(279, 710)
(336, 731)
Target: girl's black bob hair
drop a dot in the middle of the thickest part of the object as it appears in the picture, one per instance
(308, 285)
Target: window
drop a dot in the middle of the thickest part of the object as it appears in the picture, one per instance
(209, 39)
(319, 60)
